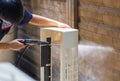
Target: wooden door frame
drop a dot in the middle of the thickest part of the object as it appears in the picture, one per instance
(72, 13)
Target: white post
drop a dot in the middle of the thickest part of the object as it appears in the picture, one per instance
(64, 53)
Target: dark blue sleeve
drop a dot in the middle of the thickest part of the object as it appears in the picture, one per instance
(27, 18)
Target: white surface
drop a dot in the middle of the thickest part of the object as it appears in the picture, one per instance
(8, 72)
(64, 52)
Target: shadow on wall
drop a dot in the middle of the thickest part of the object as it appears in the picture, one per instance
(98, 63)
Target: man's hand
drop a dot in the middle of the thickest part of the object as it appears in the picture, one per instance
(16, 45)
(63, 25)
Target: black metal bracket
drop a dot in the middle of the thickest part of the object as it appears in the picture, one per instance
(46, 60)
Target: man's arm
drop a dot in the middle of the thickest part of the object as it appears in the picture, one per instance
(13, 45)
(43, 21)
(4, 46)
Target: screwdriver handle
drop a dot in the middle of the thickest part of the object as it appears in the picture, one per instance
(34, 41)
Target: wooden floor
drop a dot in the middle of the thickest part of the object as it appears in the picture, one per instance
(98, 63)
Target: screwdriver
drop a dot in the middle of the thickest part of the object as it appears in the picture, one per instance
(34, 41)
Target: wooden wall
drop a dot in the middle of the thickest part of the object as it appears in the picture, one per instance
(99, 21)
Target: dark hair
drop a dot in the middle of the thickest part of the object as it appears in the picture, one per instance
(11, 10)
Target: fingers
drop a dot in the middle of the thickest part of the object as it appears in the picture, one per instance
(63, 25)
(17, 45)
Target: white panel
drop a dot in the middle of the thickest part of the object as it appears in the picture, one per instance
(64, 53)
(8, 72)
(42, 74)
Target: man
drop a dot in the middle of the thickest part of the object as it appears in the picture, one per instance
(13, 13)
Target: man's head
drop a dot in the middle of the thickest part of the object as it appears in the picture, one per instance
(11, 10)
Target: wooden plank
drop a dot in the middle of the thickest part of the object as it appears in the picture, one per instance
(71, 14)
